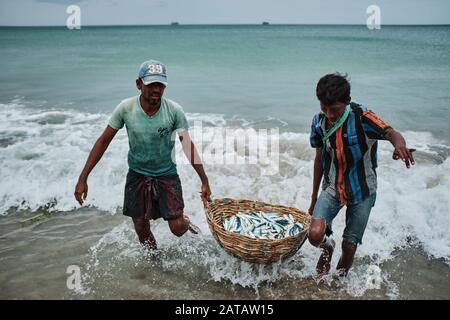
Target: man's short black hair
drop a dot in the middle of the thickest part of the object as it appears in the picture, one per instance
(333, 88)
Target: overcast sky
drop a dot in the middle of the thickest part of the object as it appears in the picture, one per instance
(126, 12)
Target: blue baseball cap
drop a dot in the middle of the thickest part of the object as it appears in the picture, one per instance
(153, 71)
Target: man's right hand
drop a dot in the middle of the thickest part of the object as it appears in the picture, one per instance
(95, 155)
(312, 205)
(81, 190)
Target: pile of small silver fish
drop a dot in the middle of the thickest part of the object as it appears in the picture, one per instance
(263, 225)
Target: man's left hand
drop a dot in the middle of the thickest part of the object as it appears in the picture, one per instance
(405, 154)
(205, 193)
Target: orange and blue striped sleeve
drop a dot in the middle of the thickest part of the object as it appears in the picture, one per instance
(373, 126)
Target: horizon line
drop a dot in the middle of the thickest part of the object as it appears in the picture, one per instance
(178, 24)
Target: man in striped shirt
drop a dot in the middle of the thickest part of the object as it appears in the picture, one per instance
(345, 135)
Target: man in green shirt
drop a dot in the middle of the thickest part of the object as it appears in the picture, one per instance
(153, 188)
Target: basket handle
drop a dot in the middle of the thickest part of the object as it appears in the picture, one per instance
(209, 203)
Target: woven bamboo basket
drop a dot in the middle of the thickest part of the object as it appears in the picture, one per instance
(262, 251)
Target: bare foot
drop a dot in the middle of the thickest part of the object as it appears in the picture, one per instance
(324, 264)
(192, 227)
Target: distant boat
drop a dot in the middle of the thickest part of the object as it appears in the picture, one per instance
(175, 24)
(265, 23)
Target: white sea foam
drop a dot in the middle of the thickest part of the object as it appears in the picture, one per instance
(43, 151)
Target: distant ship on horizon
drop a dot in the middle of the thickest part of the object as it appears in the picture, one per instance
(175, 23)
(265, 23)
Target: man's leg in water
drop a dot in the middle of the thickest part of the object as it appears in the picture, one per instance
(171, 206)
(346, 260)
(319, 235)
(145, 235)
(318, 238)
(357, 216)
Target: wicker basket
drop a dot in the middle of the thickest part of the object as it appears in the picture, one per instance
(263, 251)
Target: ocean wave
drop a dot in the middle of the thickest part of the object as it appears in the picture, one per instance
(43, 152)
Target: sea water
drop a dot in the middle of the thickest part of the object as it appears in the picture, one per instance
(59, 86)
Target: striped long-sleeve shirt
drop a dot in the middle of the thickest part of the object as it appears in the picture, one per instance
(349, 157)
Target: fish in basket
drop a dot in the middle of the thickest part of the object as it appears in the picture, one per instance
(255, 231)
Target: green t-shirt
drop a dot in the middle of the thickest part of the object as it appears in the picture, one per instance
(151, 139)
